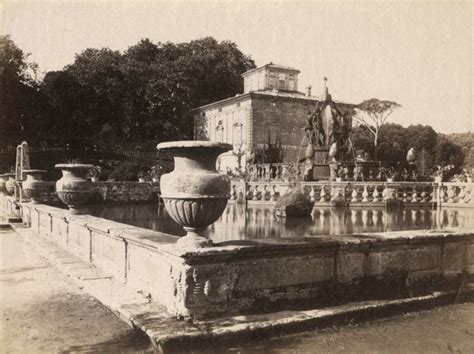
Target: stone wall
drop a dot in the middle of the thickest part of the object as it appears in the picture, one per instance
(259, 275)
(113, 192)
(283, 119)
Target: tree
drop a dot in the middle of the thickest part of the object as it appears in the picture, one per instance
(448, 153)
(20, 101)
(145, 94)
(373, 114)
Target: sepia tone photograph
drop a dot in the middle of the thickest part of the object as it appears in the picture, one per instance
(236, 176)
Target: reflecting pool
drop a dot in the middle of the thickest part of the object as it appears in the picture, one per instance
(257, 221)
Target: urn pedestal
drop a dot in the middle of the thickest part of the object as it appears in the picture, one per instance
(194, 193)
(73, 188)
(34, 186)
(10, 183)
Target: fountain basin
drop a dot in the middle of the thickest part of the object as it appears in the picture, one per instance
(261, 275)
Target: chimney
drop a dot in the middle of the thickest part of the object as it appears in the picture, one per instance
(308, 91)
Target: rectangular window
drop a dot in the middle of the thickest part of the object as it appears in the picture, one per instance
(281, 85)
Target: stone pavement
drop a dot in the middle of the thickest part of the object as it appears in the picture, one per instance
(42, 310)
(447, 329)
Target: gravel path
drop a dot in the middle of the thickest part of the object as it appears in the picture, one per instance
(43, 311)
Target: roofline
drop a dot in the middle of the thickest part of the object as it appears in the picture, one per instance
(265, 94)
(225, 100)
(277, 66)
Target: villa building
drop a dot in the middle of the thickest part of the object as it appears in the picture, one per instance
(266, 123)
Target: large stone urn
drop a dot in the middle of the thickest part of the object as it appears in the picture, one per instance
(73, 188)
(34, 186)
(195, 195)
(10, 183)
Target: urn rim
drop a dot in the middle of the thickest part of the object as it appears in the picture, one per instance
(34, 171)
(194, 144)
(70, 166)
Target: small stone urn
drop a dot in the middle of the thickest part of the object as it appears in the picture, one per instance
(34, 186)
(10, 183)
(73, 188)
(195, 195)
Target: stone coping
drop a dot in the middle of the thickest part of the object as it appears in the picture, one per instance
(194, 144)
(111, 228)
(243, 249)
(73, 165)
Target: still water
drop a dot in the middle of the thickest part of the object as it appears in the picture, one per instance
(257, 221)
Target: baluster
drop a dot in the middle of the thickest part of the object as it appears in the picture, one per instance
(415, 195)
(355, 195)
(272, 192)
(365, 195)
(255, 192)
(406, 197)
(451, 194)
(249, 192)
(468, 196)
(443, 194)
(462, 194)
(278, 192)
(323, 194)
(432, 190)
(312, 194)
(375, 194)
(425, 196)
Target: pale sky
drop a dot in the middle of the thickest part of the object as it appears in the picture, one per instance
(418, 54)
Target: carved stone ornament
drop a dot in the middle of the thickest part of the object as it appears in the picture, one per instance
(194, 193)
(73, 188)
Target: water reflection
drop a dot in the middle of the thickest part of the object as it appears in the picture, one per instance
(257, 221)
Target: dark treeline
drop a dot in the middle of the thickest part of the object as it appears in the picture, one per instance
(432, 149)
(111, 99)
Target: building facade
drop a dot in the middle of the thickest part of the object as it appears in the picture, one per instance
(265, 124)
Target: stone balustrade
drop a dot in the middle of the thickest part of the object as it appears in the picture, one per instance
(417, 194)
(267, 172)
(458, 194)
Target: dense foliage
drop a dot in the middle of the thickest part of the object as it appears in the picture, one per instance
(432, 149)
(109, 99)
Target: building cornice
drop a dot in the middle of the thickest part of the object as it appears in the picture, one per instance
(264, 94)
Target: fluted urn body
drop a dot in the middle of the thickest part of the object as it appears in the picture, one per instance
(10, 183)
(34, 186)
(73, 188)
(194, 193)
